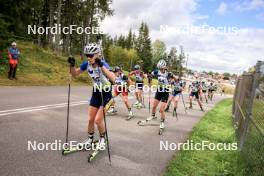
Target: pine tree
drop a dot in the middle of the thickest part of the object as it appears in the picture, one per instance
(129, 42)
(143, 47)
(181, 61)
(172, 60)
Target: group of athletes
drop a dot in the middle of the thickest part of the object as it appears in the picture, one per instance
(169, 90)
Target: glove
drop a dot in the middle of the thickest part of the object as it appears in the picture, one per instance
(170, 75)
(71, 61)
(99, 62)
(124, 78)
(149, 79)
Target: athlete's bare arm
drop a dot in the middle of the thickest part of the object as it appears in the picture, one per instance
(110, 75)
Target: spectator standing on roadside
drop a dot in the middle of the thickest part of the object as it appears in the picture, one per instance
(13, 55)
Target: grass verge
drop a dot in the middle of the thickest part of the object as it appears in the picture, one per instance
(215, 127)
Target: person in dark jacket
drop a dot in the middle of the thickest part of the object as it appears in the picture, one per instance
(13, 54)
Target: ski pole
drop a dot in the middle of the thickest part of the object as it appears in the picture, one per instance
(149, 82)
(68, 108)
(149, 99)
(106, 133)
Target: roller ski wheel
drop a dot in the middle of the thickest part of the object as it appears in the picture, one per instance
(92, 156)
(161, 130)
(142, 122)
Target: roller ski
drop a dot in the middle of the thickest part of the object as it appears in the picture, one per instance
(148, 121)
(112, 111)
(138, 105)
(88, 144)
(100, 146)
(162, 127)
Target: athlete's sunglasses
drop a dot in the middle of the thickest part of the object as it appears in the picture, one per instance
(89, 55)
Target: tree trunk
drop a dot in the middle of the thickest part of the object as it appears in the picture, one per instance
(67, 22)
(51, 21)
(57, 36)
(39, 35)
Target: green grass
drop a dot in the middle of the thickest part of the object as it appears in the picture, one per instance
(258, 113)
(40, 67)
(215, 127)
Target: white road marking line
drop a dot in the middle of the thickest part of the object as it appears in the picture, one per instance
(44, 106)
(39, 108)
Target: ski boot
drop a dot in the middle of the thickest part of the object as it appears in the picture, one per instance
(112, 110)
(130, 115)
(102, 143)
(87, 144)
(136, 104)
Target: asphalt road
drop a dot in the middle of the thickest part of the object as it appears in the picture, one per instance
(39, 114)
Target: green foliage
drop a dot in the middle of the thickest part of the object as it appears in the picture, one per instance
(123, 57)
(215, 127)
(16, 15)
(176, 61)
(158, 50)
(173, 60)
(121, 41)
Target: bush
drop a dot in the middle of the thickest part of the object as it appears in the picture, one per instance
(123, 57)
